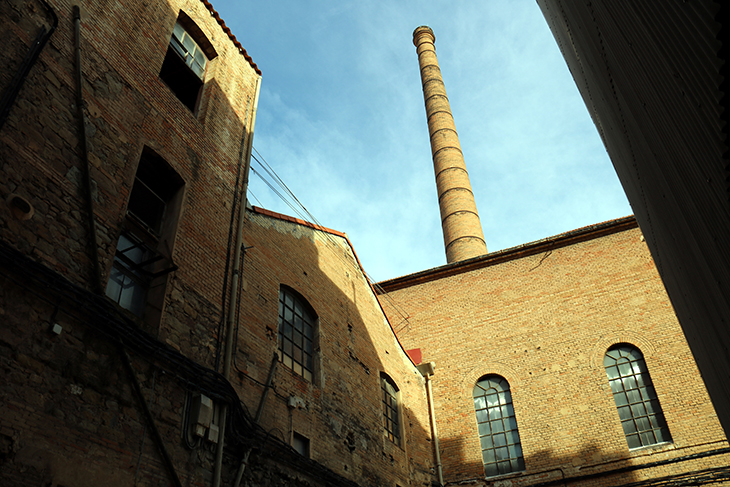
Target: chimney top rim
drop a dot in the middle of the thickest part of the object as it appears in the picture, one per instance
(423, 30)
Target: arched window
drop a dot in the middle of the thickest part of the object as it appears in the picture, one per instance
(638, 407)
(501, 448)
(297, 321)
(391, 419)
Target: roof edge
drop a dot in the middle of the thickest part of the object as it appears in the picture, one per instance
(561, 240)
(291, 219)
(371, 285)
(232, 37)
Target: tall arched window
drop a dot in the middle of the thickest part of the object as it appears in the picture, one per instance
(501, 448)
(391, 417)
(638, 407)
(297, 322)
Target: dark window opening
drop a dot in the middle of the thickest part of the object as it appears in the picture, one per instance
(636, 400)
(497, 425)
(143, 255)
(297, 322)
(154, 186)
(300, 443)
(183, 69)
(391, 419)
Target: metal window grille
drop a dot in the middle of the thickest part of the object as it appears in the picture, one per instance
(636, 400)
(390, 410)
(296, 333)
(497, 425)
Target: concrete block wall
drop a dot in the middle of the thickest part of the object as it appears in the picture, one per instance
(542, 316)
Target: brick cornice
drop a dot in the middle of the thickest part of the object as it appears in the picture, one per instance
(562, 240)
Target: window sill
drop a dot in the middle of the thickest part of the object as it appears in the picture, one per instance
(504, 476)
(650, 449)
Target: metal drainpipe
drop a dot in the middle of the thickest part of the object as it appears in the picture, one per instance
(259, 411)
(427, 371)
(93, 246)
(28, 62)
(234, 289)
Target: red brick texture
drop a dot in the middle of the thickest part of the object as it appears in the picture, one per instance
(342, 411)
(542, 316)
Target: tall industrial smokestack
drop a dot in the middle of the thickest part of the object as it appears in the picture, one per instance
(463, 236)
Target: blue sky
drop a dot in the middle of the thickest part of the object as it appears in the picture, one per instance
(342, 121)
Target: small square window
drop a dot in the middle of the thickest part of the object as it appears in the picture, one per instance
(300, 443)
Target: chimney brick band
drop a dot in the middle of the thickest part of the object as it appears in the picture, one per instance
(463, 236)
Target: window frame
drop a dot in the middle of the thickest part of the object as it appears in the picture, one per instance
(143, 256)
(184, 49)
(301, 444)
(492, 426)
(296, 339)
(635, 398)
(391, 409)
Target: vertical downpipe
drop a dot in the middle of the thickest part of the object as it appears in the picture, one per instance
(234, 288)
(96, 283)
(427, 371)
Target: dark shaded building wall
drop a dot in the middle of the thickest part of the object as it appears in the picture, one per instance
(340, 410)
(69, 412)
(653, 76)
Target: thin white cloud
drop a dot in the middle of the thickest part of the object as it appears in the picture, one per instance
(341, 120)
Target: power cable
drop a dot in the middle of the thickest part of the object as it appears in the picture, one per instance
(306, 215)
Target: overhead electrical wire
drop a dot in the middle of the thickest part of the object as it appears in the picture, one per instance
(299, 209)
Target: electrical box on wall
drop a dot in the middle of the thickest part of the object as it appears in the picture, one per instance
(213, 433)
(201, 415)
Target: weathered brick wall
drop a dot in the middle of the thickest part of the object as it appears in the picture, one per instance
(128, 107)
(68, 416)
(343, 417)
(543, 319)
(67, 412)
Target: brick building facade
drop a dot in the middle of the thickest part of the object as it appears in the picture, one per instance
(543, 316)
(111, 376)
(117, 292)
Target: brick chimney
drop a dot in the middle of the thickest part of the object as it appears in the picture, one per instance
(463, 236)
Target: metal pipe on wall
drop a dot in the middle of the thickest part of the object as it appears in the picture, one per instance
(427, 370)
(234, 289)
(96, 283)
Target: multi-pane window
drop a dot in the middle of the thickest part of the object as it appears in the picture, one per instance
(500, 440)
(296, 332)
(128, 281)
(191, 54)
(636, 400)
(183, 69)
(391, 421)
